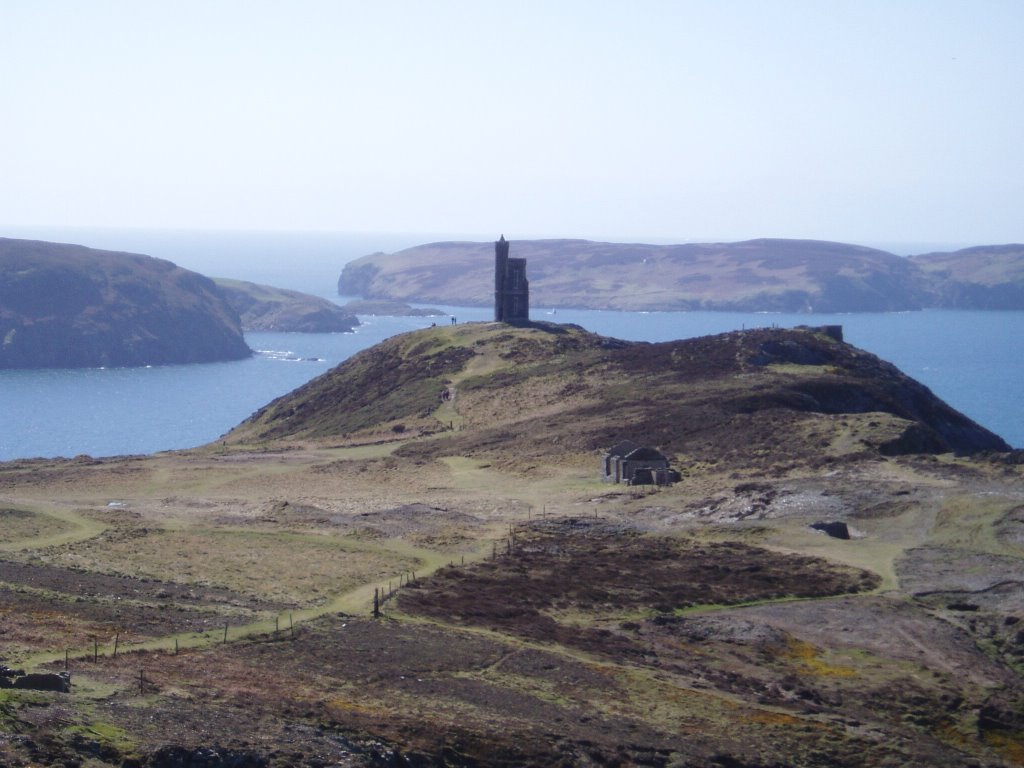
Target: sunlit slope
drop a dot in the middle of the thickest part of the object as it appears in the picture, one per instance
(546, 392)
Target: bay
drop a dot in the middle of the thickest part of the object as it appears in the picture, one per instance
(972, 360)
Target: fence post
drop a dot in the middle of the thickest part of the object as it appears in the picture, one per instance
(117, 638)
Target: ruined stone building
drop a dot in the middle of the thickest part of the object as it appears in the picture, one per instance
(511, 289)
(633, 464)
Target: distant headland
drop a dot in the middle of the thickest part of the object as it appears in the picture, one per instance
(764, 275)
(68, 306)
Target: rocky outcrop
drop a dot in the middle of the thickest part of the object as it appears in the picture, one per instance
(263, 308)
(67, 306)
(59, 682)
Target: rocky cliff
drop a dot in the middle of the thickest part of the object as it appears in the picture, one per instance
(67, 306)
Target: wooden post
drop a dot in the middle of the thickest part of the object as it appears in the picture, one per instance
(225, 632)
(291, 625)
(117, 638)
(277, 624)
(376, 604)
(175, 646)
(95, 650)
(66, 661)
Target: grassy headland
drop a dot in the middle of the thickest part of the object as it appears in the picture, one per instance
(535, 615)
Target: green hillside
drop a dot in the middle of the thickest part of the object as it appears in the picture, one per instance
(67, 306)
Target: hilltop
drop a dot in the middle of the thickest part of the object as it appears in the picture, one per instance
(413, 560)
(532, 394)
(68, 306)
(764, 275)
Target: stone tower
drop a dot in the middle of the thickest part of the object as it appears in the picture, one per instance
(511, 289)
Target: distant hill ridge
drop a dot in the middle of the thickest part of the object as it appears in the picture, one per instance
(68, 306)
(763, 275)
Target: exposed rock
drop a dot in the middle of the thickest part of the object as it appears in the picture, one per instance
(174, 756)
(836, 529)
(44, 681)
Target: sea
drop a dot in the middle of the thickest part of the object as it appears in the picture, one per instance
(973, 360)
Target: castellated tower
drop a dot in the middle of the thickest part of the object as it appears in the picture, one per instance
(511, 289)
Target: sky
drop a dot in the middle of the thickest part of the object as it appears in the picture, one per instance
(859, 120)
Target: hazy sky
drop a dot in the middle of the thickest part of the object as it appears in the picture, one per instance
(857, 120)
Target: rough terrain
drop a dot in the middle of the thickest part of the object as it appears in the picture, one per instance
(215, 606)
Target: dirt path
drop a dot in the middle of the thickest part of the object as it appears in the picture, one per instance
(79, 528)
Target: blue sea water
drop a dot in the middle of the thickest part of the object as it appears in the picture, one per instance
(973, 360)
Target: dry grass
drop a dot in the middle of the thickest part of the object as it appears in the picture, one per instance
(279, 566)
(19, 526)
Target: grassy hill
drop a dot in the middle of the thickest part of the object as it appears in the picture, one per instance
(265, 308)
(67, 306)
(764, 275)
(985, 277)
(536, 394)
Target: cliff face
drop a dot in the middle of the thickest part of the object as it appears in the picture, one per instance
(765, 275)
(263, 308)
(67, 306)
